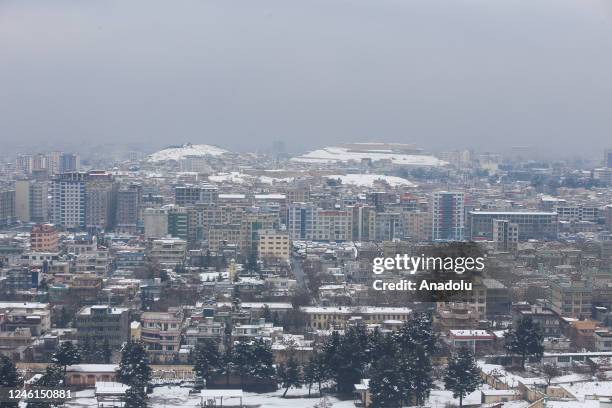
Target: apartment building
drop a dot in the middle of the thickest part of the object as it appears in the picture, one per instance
(161, 335)
(103, 323)
(44, 238)
(338, 317)
(68, 200)
(448, 216)
(572, 297)
(274, 245)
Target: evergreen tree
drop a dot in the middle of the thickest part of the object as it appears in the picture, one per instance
(418, 330)
(290, 375)
(206, 358)
(86, 350)
(462, 375)
(135, 397)
(314, 372)
(266, 314)
(9, 379)
(416, 374)
(526, 340)
(263, 365)
(52, 378)
(134, 367)
(385, 381)
(65, 355)
(106, 353)
(352, 359)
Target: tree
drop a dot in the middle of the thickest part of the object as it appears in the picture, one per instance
(349, 364)
(526, 340)
(135, 397)
(416, 374)
(418, 330)
(314, 372)
(550, 371)
(462, 375)
(206, 358)
(106, 353)
(385, 381)
(66, 354)
(9, 379)
(134, 367)
(290, 375)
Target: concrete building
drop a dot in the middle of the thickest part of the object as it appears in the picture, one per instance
(168, 252)
(99, 201)
(572, 297)
(128, 208)
(155, 223)
(31, 200)
(274, 244)
(505, 235)
(161, 335)
(102, 323)
(448, 216)
(531, 224)
(44, 238)
(7, 207)
(68, 202)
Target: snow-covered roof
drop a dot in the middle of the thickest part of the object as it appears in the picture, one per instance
(92, 368)
(110, 388)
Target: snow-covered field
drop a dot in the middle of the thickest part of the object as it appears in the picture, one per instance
(177, 153)
(342, 154)
(368, 180)
(176, 396)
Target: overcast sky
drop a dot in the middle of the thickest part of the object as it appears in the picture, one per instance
(485, 74)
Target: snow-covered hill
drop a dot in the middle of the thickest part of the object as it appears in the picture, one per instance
(177, 153)
(344, 154)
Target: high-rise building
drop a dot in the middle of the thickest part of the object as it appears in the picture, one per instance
(7, 207)
(505, 235)
(68, 162)
(190, 194)
(608, 158)
(364, 222)
(128, 207)
(53, 162)
(155, 223)
(31, 200)
(448, 216)
(99, 200)
(24, 163)
(178, 222)
(68, 200)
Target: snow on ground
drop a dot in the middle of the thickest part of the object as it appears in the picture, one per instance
(368, 180)
(342, 154)
(177, 153)
(175, 396)
(213, 276)
(233, 177)
(509, 378)
(236, 177)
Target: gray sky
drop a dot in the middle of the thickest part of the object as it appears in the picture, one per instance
(487, 74)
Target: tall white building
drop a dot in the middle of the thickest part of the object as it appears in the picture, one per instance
(68, 202)
(448, 216)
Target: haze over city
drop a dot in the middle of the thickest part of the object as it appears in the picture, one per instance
(461, 74)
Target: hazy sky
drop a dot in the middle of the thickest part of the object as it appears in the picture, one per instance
(242, 73)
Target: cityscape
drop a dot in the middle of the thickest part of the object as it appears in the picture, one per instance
(199, 276)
